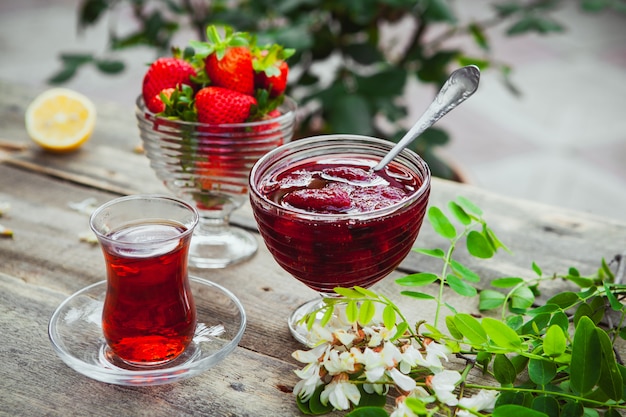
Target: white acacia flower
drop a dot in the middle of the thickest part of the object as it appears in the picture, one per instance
(411, 357)
(345, 337)
(311, 356)
(340, 393)
(337, 362)
(376, 363)
(484, 400)
(404, 382)
(378, 335)
(319, 334)
(435, 352)
(309, 381)
(444, 383)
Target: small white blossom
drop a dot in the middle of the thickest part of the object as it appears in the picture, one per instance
(484, 400)
(378, 335)
(344, 336)
(339, 362)
(404, 382)
(310, 380)
(444, 383)
(434, 353)
(319, 335)
(310, 356)
(340, 392)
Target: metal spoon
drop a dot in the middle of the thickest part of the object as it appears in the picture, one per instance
(461, 84)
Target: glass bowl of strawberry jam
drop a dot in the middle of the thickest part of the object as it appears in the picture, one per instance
(330, 220)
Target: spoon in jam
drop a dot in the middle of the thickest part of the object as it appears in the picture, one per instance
(461, 84)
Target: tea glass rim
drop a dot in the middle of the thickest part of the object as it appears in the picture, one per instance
(103, 237)
(291, 103)
(338, 139)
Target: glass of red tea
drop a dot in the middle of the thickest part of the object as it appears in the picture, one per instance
(149, 315)
(330, 220)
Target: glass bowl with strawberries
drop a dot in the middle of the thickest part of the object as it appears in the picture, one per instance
(205, 117)
(330, 220)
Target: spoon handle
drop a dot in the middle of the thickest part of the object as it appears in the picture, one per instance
(461, 84)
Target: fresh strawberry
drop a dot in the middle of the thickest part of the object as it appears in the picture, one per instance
(276, 84)
(165, 73)
(227, 61)
(271, 68)
(233, 70)
(217, 105)
(156, 105)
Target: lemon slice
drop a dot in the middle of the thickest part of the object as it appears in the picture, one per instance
(60, 119)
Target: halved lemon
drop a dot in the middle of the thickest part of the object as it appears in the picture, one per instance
(60, 119)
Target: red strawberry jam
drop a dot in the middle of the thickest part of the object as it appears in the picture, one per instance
(338, 223)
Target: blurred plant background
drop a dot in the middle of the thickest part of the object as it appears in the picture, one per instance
(354, 57)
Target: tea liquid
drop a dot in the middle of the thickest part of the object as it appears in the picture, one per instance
(149, 316)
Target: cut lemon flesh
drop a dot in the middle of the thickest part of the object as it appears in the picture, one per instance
(60, 119)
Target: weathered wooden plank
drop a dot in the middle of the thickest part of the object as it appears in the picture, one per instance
(34, 381)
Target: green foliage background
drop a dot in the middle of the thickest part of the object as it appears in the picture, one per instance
(366, 84)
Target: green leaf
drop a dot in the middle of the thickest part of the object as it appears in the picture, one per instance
(564, 299)
(468, 206)
(459, 213)
(436, 253)
(328, 314)
(464, 272)
(471, 329)
(572, 409)
(560, 319)
(504, 370)
(365, 292)
(372, 400)
(352, 311)
(478, 245)
(490, 299)
(439, 11)
(347, 292)
(454, 332)
(554, 341)
(546, 404)
(615, 304)
(540, 371)
(441, 224)
(389, 317)
(110, 66)
(537, 269)
(350, 113)
(512, 410)
(366, 312)
(610, 382)
(416, 280)
(65, 74)
(418, 295)
(522, 298)
(400, 330)
(506, 282)
(460, 287)
(501, 334)
(586, 357)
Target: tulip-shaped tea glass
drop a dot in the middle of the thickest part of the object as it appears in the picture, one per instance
(149, 315)
(208, 166)
(329, 220)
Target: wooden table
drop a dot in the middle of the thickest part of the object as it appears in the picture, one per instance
(46, 261)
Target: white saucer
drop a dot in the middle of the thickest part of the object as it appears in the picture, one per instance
(75, 330)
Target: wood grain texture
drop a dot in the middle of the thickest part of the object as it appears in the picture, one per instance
(46, 261)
